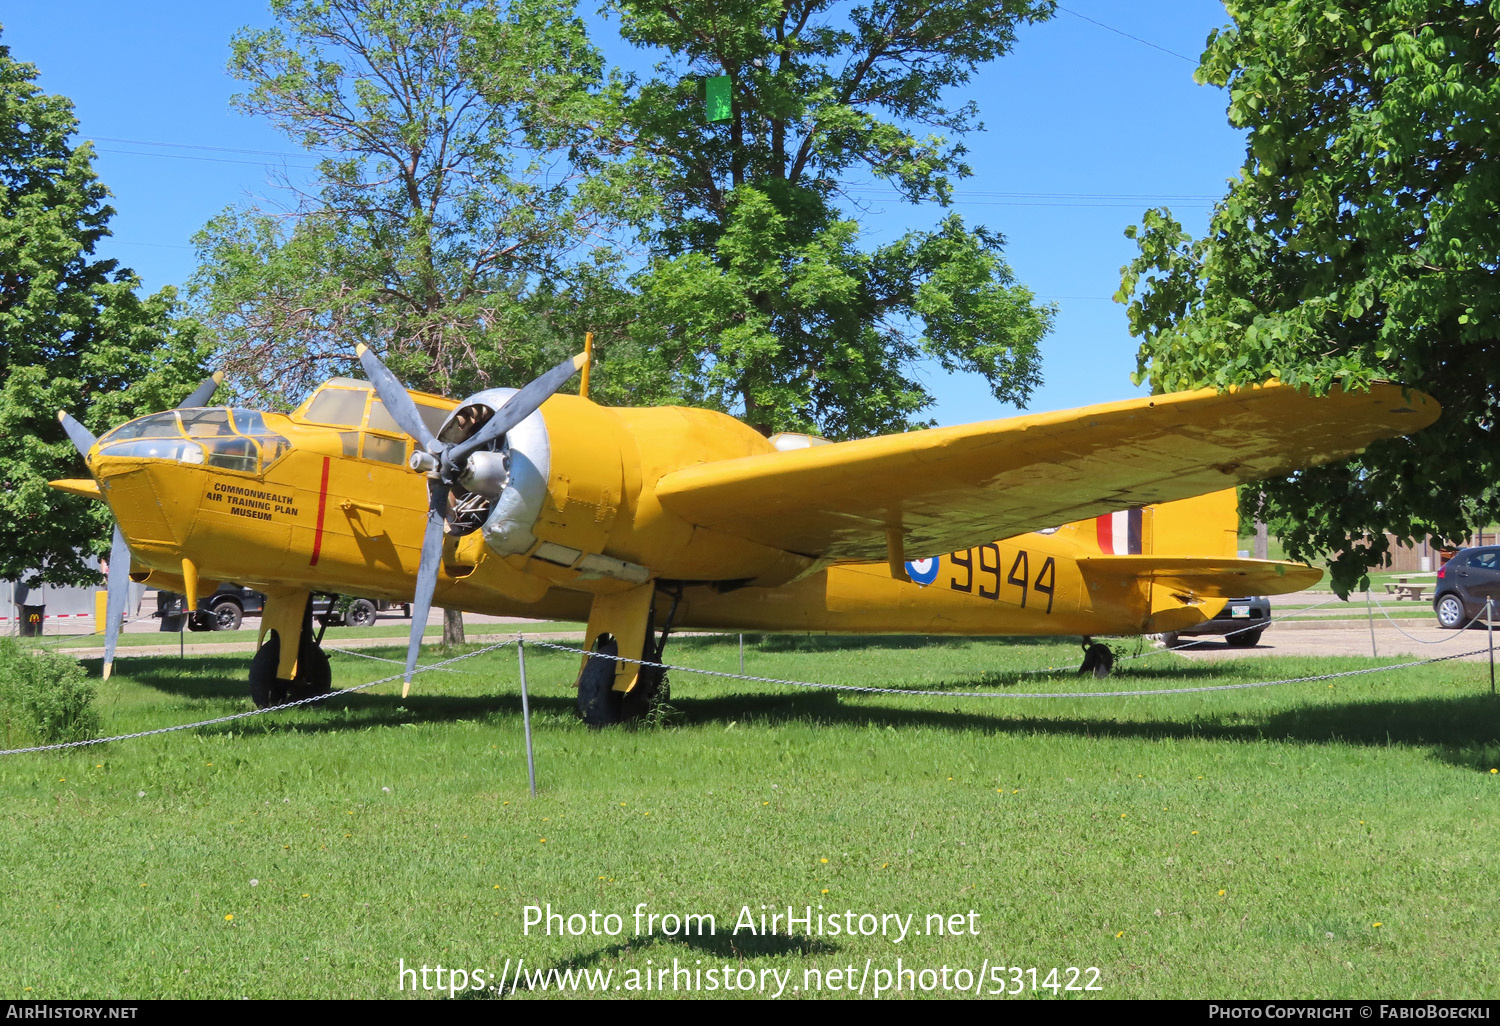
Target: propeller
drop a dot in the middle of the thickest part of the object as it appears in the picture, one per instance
(445, 465)
(119, 550)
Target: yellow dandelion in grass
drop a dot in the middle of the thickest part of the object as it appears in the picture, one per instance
(1016, 791)
(348, 835)
(825, 890)
(883, 865)
(950, 778)
(1493, 770)
(1195, 832)
(765, 803)
(143, 885)
(1119, 935)
(505, 803)
(822, 860)
(1122, 815)
(229, 918)
(100, 765)
(1221, 893)
(307, 895)
(622, 804)
(542, 841)
(1377, 925)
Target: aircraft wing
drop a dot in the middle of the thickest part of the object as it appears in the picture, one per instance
(951, 488)
(1206, 577)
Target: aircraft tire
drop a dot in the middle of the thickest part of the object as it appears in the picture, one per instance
(598, 701)
(314, 675)
(1098, 659)
(652, 690)
(1244, 639)
(265, 688)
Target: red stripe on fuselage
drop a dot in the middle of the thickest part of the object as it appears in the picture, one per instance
(322, 506)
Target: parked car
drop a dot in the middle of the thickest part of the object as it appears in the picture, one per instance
(1463, 584)
(1235, 623)
(227, 607)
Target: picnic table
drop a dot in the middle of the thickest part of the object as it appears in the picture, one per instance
(1401, 589)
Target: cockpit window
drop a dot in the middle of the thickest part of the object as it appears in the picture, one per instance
(197, 437)
(381, 420)
(157, 425)
(344, 407)
(206, 423)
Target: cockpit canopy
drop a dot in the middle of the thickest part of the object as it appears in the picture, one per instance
(219, 436)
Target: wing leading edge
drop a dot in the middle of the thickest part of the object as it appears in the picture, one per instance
(949, 488)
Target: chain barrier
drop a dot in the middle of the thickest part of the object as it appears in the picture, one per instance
(855, 688)
(1457, 632)
(257, 712)
(867, 689)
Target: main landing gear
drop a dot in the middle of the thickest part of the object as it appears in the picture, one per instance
(1098, 659)
(276, 679)
(601, 700)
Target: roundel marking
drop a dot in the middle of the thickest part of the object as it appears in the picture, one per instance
(923, 571)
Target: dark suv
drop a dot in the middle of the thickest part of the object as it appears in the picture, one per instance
(1241, 623)
(1464, 582)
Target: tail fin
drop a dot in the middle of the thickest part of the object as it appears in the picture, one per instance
(1205, 525)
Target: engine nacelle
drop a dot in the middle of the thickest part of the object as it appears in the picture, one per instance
(505, 484)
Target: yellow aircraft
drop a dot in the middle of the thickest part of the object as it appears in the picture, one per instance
(1111, 519)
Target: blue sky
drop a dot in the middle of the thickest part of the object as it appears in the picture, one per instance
(1086, 128)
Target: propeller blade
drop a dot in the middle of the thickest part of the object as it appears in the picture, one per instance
(203, 393)
(119, 588)
(427, 573)
(394, 395)
(83, 439)
(519, 406)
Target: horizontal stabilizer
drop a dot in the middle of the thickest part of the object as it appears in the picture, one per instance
(1203, 576)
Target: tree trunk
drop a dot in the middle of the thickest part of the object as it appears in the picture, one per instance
(453, 626)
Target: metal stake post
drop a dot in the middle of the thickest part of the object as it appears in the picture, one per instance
(526, 714)
(1370, 608)
(742, 653)
(1489, 621)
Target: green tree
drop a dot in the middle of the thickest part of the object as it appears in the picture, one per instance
(458, 180)
(1359, 241)
(758, 297)
(455, 184)
(74, 333)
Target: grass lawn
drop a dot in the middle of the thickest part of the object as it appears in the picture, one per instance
(1326, 839)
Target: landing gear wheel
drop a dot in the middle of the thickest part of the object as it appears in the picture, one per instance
(651, 692)
(1098, 659)
(1244, 639)
(598, 701)
(1170, 639)
(265, 688)
(314, 675)
(361, 613)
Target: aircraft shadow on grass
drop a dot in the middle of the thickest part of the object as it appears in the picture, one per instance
(1463, 730)
(722, 946)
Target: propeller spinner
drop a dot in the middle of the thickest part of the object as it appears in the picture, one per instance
(449, 464)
